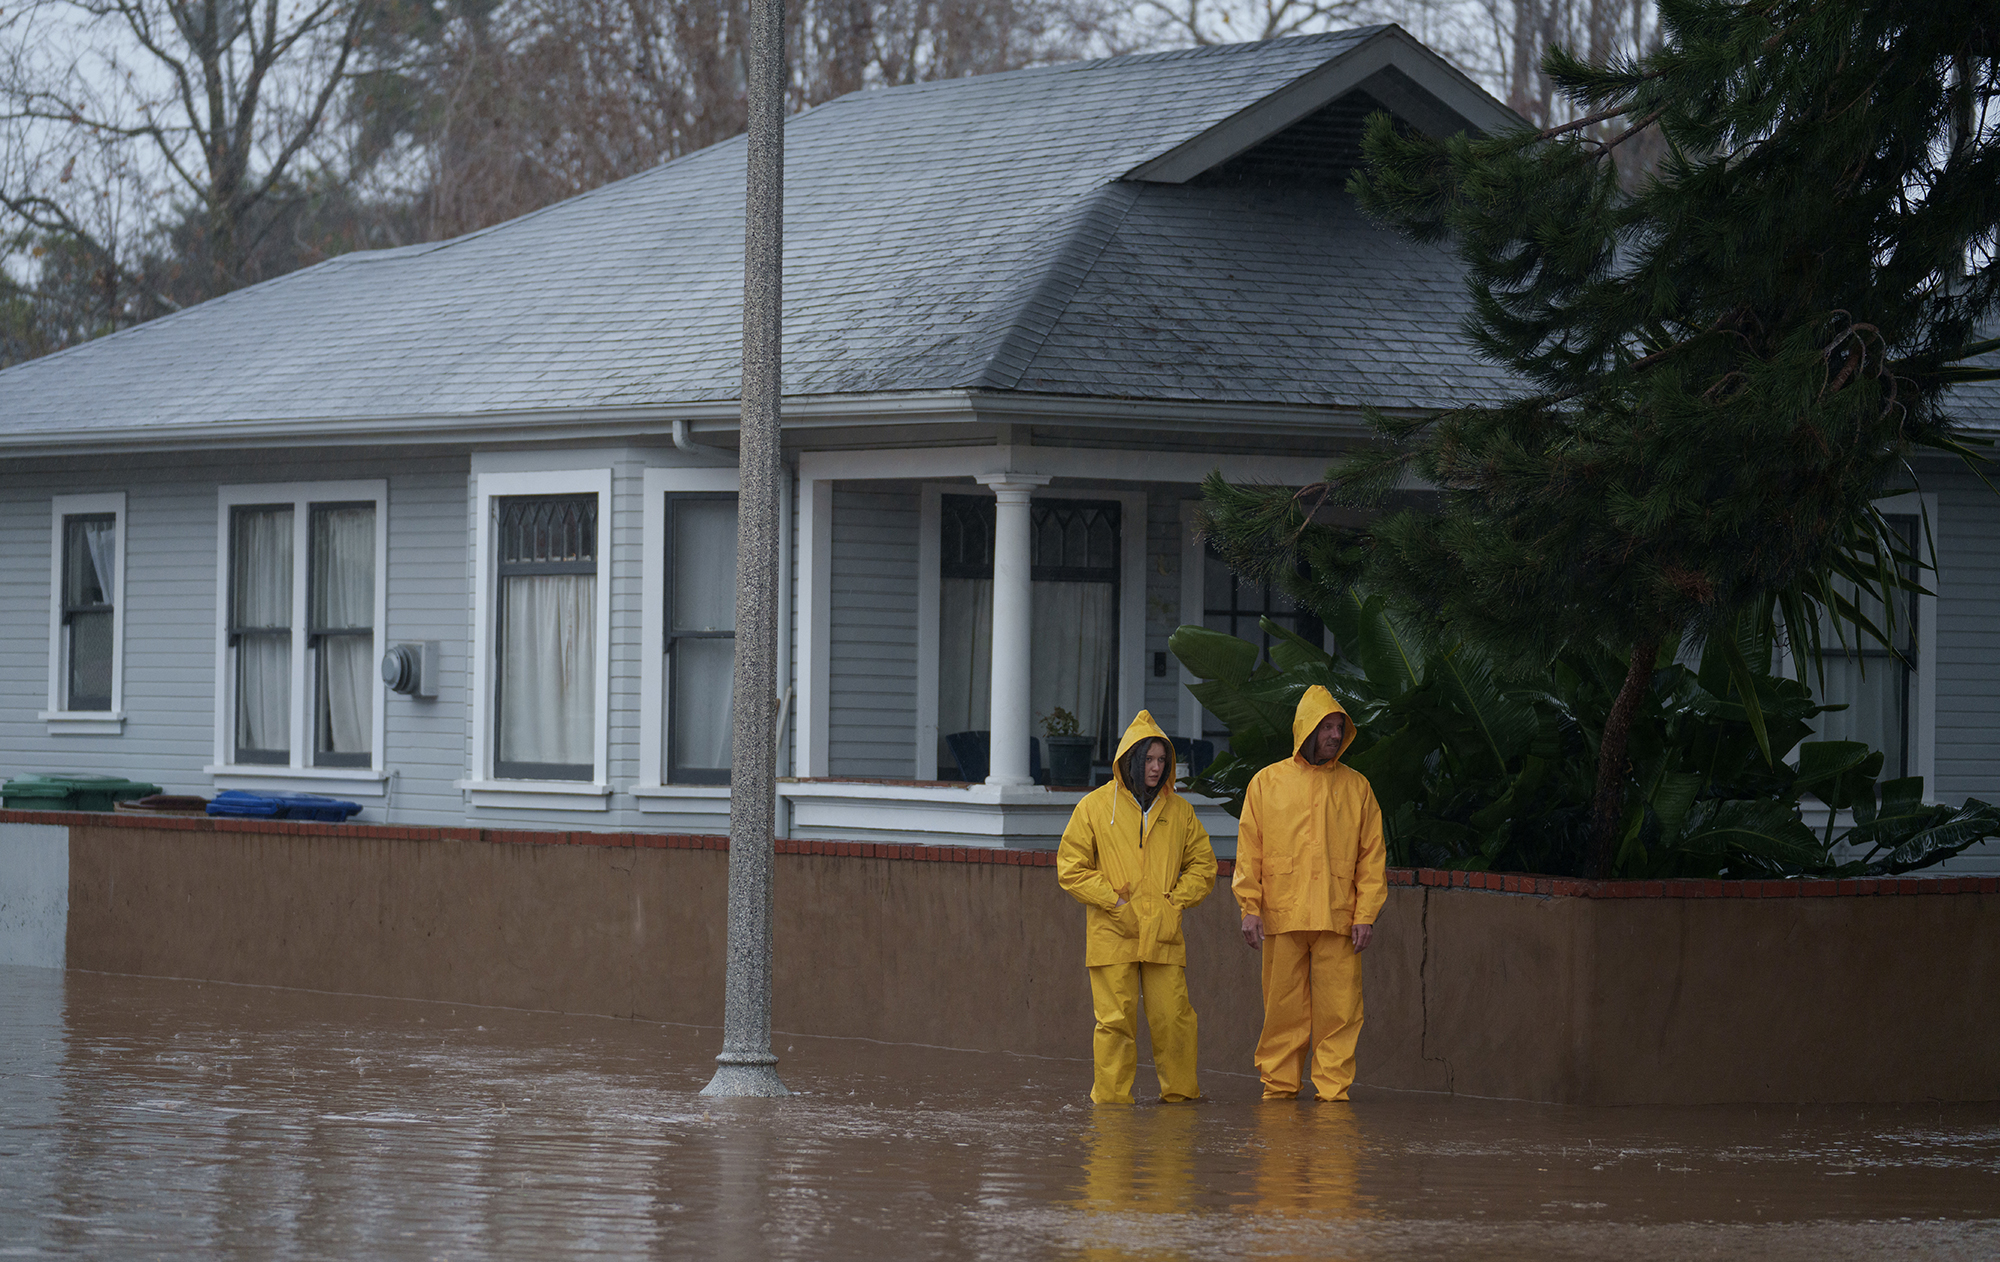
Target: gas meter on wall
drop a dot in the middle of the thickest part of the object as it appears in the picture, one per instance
(412, 669)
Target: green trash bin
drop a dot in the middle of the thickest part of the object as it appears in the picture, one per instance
(71, 792)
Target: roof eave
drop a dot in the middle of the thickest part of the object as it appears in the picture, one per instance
(707, 419)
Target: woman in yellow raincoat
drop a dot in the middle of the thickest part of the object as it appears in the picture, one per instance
(1135, 855)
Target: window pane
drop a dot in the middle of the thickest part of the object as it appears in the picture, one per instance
(346, 697)
(261, 601)
(1075, 630)
(1877, 701)
(965, 656)
(553, 531)
(264, 696)
(1216, 580)
(703, 676)
(548, 673)
(90, 661)
(261, 589)
(90, 546)
(343, 567)
(704, 564)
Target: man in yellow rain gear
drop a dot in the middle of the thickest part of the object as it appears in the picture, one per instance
(1136, 857)
(1310, 882)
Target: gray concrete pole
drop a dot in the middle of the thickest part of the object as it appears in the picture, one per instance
(746, 1066)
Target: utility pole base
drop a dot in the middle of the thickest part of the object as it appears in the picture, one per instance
(750, 1076)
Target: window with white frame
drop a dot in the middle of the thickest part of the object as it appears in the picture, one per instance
(700, 556)
(542, 637)
(1875, 683)
(545, 701)
(302, 603)
(1076, 566)
(86, 624)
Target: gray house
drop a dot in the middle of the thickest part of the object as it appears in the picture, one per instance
(1041, 304)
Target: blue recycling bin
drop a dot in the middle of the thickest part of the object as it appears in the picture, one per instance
(257, 804)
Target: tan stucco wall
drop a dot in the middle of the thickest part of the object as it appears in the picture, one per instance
(1544, 998)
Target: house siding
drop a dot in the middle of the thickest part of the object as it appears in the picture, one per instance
(170, 614)
(170, 608)
(428, 596)
(1967, 529)
(873, 633)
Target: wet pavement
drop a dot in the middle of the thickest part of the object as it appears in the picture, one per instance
(150, 1118)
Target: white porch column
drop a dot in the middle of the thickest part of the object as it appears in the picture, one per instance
(1013, 621)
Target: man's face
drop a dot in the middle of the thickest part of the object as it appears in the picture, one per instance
(1328, 737)
(1156, 764)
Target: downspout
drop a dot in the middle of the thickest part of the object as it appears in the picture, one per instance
(684, 439)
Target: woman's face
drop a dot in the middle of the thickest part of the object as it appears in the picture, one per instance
(1156, 763)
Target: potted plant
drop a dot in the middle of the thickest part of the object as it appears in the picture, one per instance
(1069, 752)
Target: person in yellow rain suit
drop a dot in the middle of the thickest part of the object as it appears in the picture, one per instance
(1310, 881)
(1136, 857)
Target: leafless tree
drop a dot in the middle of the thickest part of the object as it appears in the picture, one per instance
(1501, 43)
(1171, 23)
(217, 105)
(541, 99)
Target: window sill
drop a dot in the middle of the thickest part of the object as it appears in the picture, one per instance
(671, 797)
(550, 795)
(354, 782)
(84, 722)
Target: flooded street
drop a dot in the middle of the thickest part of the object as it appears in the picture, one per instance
(144, 1118)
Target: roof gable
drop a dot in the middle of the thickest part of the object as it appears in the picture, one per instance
(1390, 68)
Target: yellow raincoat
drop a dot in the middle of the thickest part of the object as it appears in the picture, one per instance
(1163, 861)
(1309, 851)
(1158, 863)
(1310, 864)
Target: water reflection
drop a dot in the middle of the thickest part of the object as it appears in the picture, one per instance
(148, 1118)
(1308, 1162)
(1138, 1179)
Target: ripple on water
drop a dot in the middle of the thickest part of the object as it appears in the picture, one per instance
(142, 1117)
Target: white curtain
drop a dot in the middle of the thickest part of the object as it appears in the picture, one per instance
(1074, 640)
(1073, 637)
(100, 539)
(263, 598)
(701, 713)
(344, 599)
(1878, 698)
(1875, 707)
(965, 657)
(548, 669)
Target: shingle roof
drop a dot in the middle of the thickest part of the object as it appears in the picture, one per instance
(1204, 293)
(971, 234)
(931, 235)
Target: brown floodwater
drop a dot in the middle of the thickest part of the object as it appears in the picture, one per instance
(148, 1118)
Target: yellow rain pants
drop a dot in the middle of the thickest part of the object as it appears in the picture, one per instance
(1312, 999)
(1115, 991)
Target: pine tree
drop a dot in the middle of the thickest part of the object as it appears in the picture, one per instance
(1718, 371)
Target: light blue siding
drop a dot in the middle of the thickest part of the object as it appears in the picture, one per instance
(1968, 647)
(873, 633)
